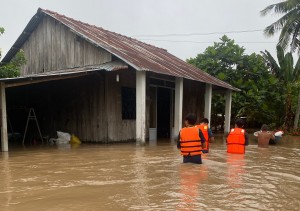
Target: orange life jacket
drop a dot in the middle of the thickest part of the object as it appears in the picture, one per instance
(236, 141)
(190, 142)
(204, 129)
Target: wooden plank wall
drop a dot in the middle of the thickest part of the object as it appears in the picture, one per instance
(118, 129)
(90, 106)
(73, 105)
(94, 110)
(52, 46)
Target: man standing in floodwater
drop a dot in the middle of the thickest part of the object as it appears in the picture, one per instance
(237, 138)
(264, 137)
(191, 141)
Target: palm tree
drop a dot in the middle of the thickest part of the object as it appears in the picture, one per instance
(289, 76)
(289, 23)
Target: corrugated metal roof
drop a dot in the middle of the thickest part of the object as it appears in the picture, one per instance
(110, 66)
(137, 54)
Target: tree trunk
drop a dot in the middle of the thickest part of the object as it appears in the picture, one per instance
(296, 120)
(288, 113)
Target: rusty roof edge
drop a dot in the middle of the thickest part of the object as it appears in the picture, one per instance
(215, 79)
(226, 85)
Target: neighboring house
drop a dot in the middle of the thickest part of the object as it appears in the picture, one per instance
(100, 85)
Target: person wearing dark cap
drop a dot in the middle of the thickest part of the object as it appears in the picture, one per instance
(237, 138)
(191, 141)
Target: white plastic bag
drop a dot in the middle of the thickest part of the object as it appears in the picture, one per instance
(63, 136)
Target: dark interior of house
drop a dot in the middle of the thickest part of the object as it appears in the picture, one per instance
(163, 112)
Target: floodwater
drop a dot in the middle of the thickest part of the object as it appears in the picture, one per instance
(152, 177)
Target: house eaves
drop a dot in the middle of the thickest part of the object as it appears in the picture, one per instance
(62, 74)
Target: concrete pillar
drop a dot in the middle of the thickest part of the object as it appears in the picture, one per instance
(4, 138)
(141, 106)
(178, 106)
(227, 111)
(208, 99)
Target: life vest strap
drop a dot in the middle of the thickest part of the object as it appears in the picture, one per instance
(235, 143)
(190, 146)
(190, 141)
(192, 151)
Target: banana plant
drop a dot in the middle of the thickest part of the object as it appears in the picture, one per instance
(289, 76)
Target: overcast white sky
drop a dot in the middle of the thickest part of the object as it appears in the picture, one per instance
(155, 17)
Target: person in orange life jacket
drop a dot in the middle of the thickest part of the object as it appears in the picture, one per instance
(237, 138)
(191, 140)
(207, 132)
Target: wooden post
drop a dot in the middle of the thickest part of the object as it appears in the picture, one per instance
(4, 138)
(106, 94)
(141, 106)
(178, 106)
(208, 99)
(228, 111)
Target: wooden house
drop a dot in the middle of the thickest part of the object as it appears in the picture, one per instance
(100, 85)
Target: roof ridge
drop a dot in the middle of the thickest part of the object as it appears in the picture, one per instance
(99, 28)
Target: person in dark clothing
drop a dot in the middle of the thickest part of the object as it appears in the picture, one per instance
(191, 141)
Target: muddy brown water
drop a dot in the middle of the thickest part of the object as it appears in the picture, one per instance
(151, 177)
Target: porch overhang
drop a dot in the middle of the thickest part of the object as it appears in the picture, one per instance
(62, 74)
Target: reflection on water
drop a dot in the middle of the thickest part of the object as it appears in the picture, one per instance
(151, 177)
(235, 170)
(191, 177)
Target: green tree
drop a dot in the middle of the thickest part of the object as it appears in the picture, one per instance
(12, 69)
(288, 24)
(258, 99)
(288, 75)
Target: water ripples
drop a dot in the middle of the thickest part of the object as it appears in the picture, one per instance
(127, 177)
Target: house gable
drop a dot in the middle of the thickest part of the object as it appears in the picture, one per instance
(53, 46)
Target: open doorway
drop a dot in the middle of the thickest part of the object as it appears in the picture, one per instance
(163, 112)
